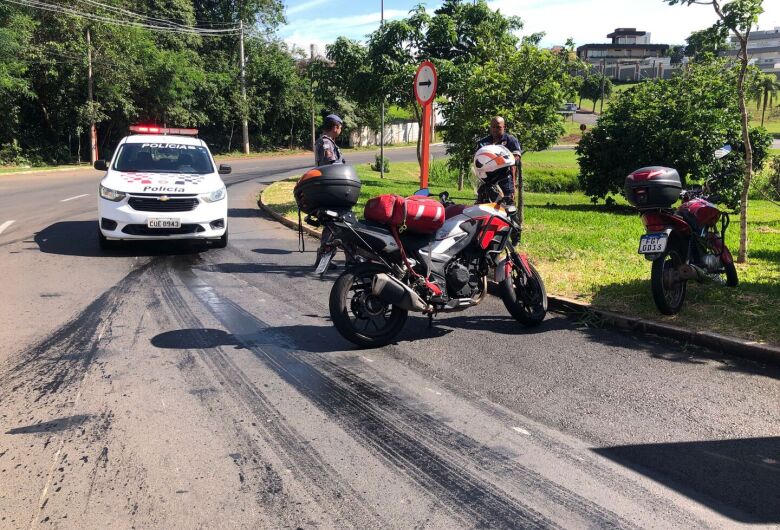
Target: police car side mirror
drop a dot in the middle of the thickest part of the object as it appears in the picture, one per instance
(225, 169)
(101, 165)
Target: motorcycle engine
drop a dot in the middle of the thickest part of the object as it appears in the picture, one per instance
(712, 263)
(462, 278)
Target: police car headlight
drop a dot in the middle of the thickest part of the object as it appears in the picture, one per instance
(111, 195)
(215, 196)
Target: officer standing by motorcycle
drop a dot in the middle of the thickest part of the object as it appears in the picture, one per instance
(499, 136)
(325, 150)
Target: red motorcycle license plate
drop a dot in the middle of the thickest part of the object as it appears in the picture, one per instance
(652, 243)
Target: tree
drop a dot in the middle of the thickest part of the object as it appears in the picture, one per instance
(526, 86)
(15, 34)
(738, 16)
(678, 123)
(591, 88)
(707, 44)
(770, 85)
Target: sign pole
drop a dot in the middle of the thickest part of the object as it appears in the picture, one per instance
(426, 145)
(425, 84)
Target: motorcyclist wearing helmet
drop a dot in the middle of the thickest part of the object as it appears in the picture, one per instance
(505, 177)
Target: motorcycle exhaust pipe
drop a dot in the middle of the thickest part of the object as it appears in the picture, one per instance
(393, 291)
(692, 272)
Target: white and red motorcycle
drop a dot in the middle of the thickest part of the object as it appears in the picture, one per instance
(416, 254)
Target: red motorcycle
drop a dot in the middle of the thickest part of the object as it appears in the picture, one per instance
(686, 243)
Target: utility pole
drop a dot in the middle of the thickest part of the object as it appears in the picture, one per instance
(244, 121)
(603, 77)
(311, 90)
(93, 151)
(382, 132)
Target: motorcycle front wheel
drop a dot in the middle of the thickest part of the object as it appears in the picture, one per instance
(359, 316)
(668, 292)
(524, 296)
(731, 274)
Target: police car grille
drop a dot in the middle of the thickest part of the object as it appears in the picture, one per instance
(143, 230)
(153, 204)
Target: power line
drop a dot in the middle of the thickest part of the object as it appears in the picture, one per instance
(168, 27)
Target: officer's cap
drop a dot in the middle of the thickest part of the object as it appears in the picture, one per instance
(333, 119)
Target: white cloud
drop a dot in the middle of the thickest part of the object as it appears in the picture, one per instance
(323, 31)
(304, 6)
(588, 21)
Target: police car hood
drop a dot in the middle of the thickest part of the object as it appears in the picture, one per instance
(169, 183)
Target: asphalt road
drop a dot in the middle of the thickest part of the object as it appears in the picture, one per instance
(171, 386)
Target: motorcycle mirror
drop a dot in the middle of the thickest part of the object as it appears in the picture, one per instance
(723, 151)
(444, 196)
(423, 192)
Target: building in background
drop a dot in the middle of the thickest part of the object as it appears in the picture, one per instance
(629, 57)
(763, 50)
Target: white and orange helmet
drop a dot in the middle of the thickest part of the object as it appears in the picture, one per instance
(492, 158)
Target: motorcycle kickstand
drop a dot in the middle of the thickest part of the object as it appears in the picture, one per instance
(430, 320)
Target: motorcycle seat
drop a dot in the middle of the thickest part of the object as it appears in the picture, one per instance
(453, 210)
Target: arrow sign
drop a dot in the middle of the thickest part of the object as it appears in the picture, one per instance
(425, 83)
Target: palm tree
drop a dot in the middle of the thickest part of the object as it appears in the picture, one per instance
(770, 85)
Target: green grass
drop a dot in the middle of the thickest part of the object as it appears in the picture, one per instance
(18, 169)
(589, 252)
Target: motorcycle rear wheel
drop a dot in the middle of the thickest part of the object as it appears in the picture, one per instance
(668, 295)
(525, 297)
(359, 316)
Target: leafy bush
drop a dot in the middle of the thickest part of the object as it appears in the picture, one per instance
(551, 180)
(12, 155)
(766, 185)
(677, 123)
(441, 175)
(377, 165)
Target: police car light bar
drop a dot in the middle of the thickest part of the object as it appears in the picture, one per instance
(153, 129)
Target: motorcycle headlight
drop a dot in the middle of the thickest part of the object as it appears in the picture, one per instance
(111, 195)
(215, 196)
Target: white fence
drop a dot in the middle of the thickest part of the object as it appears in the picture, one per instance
(395, 133)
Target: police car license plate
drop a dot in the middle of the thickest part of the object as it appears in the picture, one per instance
(652, 243)
(163, 223)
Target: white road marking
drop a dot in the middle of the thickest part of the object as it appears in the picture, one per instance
(432, 391)
(366, 359)
(6, 225)
(521, 431)
(76, 197)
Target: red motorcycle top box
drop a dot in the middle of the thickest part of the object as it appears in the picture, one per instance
(419, 214)
(653, 187)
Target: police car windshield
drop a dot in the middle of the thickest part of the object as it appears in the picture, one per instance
(164, 158)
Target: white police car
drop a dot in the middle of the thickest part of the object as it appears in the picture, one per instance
(162, 184)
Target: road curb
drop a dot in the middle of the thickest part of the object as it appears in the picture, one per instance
(714, 341)
(728, 345)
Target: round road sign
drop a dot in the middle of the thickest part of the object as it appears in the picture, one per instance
(425, 83)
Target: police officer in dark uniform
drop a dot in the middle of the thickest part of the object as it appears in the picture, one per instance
(325, 150)
(499, 136)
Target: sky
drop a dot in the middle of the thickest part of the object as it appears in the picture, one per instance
(319, 22)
